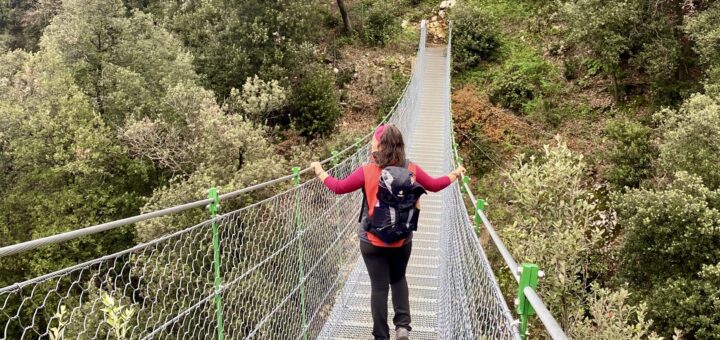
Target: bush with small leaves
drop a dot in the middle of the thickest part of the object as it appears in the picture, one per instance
(691, 139)
(315, 102)
(259, 101)
(521, 80)
(611, 316)
(690, 304)
(382, 23)
(703, 29)
(557, 225)
(670, 253)
(630, 154)
(475, 37)
(669, 232)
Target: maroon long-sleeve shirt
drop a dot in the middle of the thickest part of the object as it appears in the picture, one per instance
(356, 180)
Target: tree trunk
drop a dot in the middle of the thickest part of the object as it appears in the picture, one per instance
(344, 14)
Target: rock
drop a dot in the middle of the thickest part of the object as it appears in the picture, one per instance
(335, 70)
(404, 23)
(434, 18)
(447, 4)
(442, 14)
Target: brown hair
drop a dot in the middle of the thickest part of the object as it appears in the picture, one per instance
(391, 149)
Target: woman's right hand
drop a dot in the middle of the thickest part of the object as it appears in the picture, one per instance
(457, 173)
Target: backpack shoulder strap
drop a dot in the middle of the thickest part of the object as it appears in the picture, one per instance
(370, 188)
(412, 168)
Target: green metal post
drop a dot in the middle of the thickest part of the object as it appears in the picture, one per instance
(214, 207)
(301, 260)
(528, 278)
(358, 143)
(479, 207)
(465, 180)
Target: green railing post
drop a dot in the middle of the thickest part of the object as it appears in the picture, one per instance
(479, 207)
(301, 260)
(528, 278)
(465, 180)
(335, 160)
(358, 143)
(214, 207)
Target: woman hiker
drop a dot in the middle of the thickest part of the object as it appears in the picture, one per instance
(386, 262)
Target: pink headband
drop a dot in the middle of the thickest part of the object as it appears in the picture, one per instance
(379, 132)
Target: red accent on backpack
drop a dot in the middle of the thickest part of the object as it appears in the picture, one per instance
(372, 171)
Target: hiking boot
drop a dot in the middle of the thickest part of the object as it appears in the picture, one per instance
(402, 333)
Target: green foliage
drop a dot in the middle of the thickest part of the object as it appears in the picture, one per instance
(670, 232)
(259, 101)
(669, 248)
(630, 154)
(58, 333)
(381, 24)
(691, 304)
(234, 40)
(315, 102)
(557, 226)
(391, 92)
(61, 168)
(208, 149)
(117, 316)
(475, 37)
(611, 316)
(511, 90)
(691, 139)
(22, 22)
(704, 31)
(124, 63)
(521, 79)
(606, 29)
(482, 154)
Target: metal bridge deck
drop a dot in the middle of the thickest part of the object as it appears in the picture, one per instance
(350, 317)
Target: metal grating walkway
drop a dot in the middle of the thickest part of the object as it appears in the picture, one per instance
(350, 317)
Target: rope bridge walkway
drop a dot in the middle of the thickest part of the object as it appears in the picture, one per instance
(288, 267)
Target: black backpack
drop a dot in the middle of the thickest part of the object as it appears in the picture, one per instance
(396, 213)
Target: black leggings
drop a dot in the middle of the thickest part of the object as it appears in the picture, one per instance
(386, 267)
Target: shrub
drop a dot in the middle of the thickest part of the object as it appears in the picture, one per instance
(557, 225)
(391, 91)
(610, 316)
(519, 81)
(630, 154)
(259, 101)
(690, 304)
(670, 232)
(702, 28)
(511, 90)
(692, 139)
(475, 37)
(381, 25)
(669, 250)
(316, 103)
(482, 154)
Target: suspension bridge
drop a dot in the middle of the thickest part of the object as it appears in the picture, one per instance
(288, 267)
